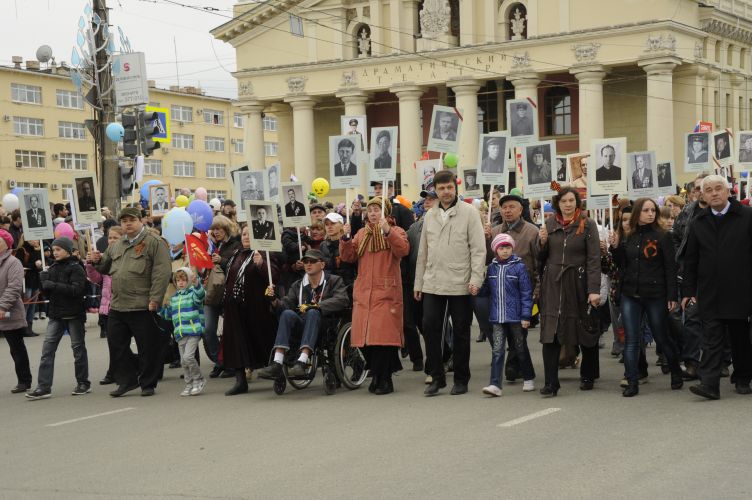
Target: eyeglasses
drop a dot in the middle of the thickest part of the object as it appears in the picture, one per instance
(310, 261)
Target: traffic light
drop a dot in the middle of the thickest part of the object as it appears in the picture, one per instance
(150, 126)
(126, 180)
(130, 135)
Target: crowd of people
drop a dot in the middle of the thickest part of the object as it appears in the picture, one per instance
(663, 274)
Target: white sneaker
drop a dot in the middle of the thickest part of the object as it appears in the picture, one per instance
(187, 389)
(198, 387)
(492, 390)
(528, 386)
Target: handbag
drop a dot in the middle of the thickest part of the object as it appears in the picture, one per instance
(215, 286)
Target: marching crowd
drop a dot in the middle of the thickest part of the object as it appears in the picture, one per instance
(679, 274)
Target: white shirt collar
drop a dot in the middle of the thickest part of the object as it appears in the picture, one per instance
(724, 211)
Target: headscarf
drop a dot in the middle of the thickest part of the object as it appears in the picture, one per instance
(374, 240)
(565, 223)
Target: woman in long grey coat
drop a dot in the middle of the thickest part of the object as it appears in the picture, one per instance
(570, 258)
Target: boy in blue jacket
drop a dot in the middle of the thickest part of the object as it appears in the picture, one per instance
(511, 309)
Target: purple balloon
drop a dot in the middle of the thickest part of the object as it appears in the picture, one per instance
(201, 213)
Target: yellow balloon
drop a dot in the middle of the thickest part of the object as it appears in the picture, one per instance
(182, 201)
(320, 187)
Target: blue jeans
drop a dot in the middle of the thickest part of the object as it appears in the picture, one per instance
(656, 313)
(55, 330)
(519, 338)
(211, 317)
(289, 320)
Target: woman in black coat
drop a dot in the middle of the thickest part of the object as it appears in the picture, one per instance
(647, 266)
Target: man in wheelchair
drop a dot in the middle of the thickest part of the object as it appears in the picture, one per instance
(317, 294)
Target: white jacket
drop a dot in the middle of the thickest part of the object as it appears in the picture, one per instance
(452, 252)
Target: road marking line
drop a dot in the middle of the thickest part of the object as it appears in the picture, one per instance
(56, 424)
(527, 418)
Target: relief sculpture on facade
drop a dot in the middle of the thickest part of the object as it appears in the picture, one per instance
(435, 18)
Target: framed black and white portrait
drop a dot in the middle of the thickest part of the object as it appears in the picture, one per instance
(264, 228)
(642, 179)
(666, 178)
(608, 175)
(697, 156)
(272, 179)
(744, 152)
(722, 148)
(295, 211)
(383, 154)
(445, 130)
(35, 214)
(426, 169)
(86, 199)
(522, 120)
(159, 199)
(470, 181)
(561, 170)
(355, 126)
(577, 166)
(493, 151)
(344, 162)
(537, 168)
(250, 185)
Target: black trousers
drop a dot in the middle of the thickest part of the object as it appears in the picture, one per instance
(15, 339)
(461, 311)
(409, 323)
(713, 343)
(127, 367)
(589, 367)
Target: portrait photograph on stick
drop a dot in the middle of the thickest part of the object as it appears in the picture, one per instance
(561, 170)
(265, 232)
(609, 174)
(249, 185)
(445, 130)
(159, 199)
(344, 161)
(383, 153)
(426, 169)
(722, 147)
(357, 127)
(35, 214)
(272, 179)
(295, 212)
(697, 158)
(537, 169)
(577, 165)
(493, 151)
(85, 194)
(522, 120)
(642, 174)
(470, 181)
(666, 176)
(744, 153)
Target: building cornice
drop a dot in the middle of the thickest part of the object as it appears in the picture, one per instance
(726, 25)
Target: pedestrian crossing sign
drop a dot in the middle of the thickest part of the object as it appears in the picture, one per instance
(162, 122)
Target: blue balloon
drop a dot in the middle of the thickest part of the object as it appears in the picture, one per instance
(145, 188)
(16, 191)
(175, 225)
(115, 132)
(201, 214)
(744, 173)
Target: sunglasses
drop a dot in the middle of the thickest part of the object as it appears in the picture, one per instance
(310, 261)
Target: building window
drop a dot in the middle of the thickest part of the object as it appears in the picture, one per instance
(71, 130)
(65, 188)
(214, 117)
(30, 94)
(182, 113)
(558, 111)
(239, 146)
(271, 148)
(270, 123)
(30, 159)
(215, 170)
(28, 126)
(216, 193)
(69, 99)
(216, 144)
(238, 120)
(184, 169)
(488, 103)
(73, 161)
(152, 167)
(182, 141)
(31, 185)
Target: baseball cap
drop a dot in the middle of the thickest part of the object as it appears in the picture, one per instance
(428, 194)
(334, 217)
(130, 212)
(317, 206)
(313, 254)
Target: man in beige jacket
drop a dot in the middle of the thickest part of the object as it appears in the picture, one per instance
(450, 268)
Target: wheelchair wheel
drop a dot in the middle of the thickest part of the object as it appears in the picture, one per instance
(279, 386)
(330, 381)
(302, 383)
(349, 362)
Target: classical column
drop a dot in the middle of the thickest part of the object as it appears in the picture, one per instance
(590, 80)
(411, 142)
(525, 85)
(660, 105)
(738, 120)
(355, 104)
(303, 138)
(253, 135)
(468, 29)
(466, 94)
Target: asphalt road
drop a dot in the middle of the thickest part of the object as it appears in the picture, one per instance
(662, 444)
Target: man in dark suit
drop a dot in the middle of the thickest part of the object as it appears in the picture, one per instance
(722, 149)
(608, 171)
(664, 175)
(354, 131)
(86, 200)
(445, 129)
(345, 150)
(161, 204)
(493, 163)
(35, 216)
(293, 208)
(522, 120)
(383, 145)
(561, 169)
(642, 177)
(262, 228)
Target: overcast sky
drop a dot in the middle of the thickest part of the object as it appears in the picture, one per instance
(149, 24)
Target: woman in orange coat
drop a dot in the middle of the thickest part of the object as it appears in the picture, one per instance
(377, 295)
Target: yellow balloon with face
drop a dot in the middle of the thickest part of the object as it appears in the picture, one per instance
(320, 187)
(182, 201)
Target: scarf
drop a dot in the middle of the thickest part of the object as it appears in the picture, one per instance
(566, 223)
(238, 290)
(373, 240)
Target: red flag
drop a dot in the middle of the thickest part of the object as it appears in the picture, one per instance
(197, 254)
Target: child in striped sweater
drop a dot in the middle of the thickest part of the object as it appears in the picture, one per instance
(186, 311)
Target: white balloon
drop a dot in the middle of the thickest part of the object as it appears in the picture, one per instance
(10, 202)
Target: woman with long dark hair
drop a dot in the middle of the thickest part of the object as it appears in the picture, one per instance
(647, 265)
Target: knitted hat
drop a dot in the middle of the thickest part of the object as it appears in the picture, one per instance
(376, 200)
(502, 239)
(7, 238)
(64, 243)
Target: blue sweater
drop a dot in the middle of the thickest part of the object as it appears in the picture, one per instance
(508, 284)
(186, 311)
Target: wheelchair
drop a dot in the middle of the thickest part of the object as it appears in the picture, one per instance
(340, 363)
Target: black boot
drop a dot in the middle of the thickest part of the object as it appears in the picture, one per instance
(633, 389)
(241, 384)
(374, 384)
(677, 379)
(385, 386)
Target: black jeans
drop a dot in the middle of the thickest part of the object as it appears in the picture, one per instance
(589, 367)
(461, 311)
(141, 325)
(713, 343)
(412, 339)
(15, 339)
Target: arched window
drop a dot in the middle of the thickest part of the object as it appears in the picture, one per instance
(362, 41)
(517, 20)
(558, 111)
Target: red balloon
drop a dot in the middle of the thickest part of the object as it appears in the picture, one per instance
(459, 181)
